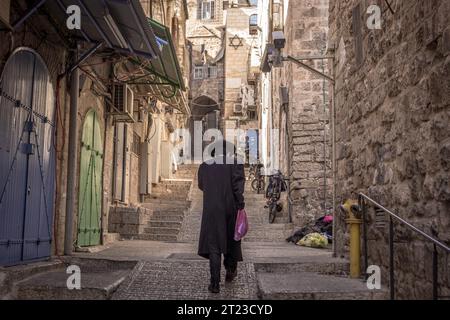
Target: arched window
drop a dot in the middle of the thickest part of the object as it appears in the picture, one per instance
(253, 24)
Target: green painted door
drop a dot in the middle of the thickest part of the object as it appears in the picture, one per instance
(91, 164)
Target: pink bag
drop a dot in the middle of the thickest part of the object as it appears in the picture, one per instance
(241, 225)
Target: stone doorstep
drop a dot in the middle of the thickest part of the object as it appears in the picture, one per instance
(312, 286)
(109, 238)
(52, 285)
(11, 275)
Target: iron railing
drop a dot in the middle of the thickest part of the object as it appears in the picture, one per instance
(362, 201)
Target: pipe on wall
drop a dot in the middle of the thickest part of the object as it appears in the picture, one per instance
(72, 156)
(333, 151)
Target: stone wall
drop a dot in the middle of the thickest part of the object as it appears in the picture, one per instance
(209, 34)
(392, 130)
(237, 58)
(128, 222)
(307, 151)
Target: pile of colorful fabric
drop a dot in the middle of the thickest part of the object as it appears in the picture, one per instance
(317, 234)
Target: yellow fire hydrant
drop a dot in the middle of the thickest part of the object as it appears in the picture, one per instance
(351, 209)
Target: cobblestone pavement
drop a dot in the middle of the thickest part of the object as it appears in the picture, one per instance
(184, 280)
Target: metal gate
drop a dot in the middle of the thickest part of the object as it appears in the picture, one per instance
(27, 159)
(91, 173)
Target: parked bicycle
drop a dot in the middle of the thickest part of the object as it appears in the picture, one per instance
(277, 185)
(258, 183)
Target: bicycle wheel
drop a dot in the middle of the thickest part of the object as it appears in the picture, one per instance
(255, 185)
(262, 186)
(272, 212)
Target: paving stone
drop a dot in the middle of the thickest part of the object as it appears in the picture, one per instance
(179, 280)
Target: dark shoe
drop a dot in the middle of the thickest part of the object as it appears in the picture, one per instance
(230, 275)
(214, 288)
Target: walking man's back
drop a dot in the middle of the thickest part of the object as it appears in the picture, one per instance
(222, 181)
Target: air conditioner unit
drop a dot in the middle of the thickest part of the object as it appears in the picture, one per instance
(123, 101)
(5, 11)
(238, 108)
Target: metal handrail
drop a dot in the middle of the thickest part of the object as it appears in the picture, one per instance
(436, 243)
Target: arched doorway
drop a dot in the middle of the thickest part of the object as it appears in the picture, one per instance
(90, 190)
(27, 159)
(207, 111)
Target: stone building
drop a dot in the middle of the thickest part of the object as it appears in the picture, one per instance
(295, 112)
(205, 32)
(392, 129)
(223, 42)
(115, 145)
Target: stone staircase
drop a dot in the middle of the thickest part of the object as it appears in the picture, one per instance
(260, 228)
(169, 203)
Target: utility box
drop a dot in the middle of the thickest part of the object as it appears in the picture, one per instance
(5, 6)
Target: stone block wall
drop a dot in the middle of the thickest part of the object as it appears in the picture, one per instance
(237, 58)
(128, 221)
(308, 118)
(392, 130)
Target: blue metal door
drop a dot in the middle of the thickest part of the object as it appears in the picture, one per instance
(27, 159)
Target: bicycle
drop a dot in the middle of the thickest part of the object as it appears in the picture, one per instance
(277, 185)
(258, 182)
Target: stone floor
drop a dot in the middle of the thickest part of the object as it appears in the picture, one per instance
(174, 270)
(184, 280)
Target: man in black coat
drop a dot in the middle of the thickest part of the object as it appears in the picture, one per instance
(222, 181)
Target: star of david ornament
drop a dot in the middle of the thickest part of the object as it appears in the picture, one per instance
(236, 42)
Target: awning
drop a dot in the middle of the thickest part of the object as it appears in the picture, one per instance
(120, 25)
(160, 77)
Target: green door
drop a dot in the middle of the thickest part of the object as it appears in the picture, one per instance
(91, 164)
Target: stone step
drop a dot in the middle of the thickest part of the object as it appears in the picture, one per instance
(99, 280)
(162, 230)
(167, 217)
(18, 273)
(157, 237)
(165, 224)
(166, 204)
(313, 286)
(163, 215)
(337, 267)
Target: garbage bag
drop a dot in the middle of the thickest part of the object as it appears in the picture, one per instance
(314, 240)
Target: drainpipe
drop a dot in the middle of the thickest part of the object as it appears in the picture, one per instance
(333, 150)
(72, 156)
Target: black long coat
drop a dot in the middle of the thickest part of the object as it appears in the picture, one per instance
(223, 188)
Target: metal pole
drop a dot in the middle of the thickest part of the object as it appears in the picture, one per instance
(435, 272)
(333, 151)
(366, 253)
(391, 258)
(72, 156)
